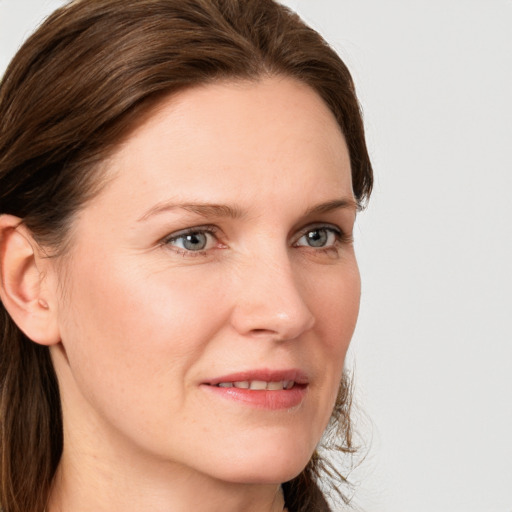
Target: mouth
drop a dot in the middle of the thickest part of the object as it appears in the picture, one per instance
(258, 385)
(263, 389)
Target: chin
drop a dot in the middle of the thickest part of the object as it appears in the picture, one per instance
(274, 466)
(266, 475)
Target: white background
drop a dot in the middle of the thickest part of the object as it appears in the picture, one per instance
(433, 350)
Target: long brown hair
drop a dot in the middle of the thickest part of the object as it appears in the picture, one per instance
(66, 100)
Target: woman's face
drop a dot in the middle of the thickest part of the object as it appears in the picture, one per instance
(216, 261)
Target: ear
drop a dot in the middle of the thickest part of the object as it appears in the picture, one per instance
(24, 290)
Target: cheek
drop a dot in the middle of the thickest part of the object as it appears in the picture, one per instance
(336, 303)
(132, 331)
(138, 305)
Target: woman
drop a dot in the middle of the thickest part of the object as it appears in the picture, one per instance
(178, 186)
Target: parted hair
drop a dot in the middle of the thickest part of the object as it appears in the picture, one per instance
(68, 98)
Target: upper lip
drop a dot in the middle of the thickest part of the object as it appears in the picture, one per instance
(263, 374)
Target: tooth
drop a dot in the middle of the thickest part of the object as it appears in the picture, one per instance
(275, 386)
(225, 384)
(243, 384)
(258, 385)
(289, 384)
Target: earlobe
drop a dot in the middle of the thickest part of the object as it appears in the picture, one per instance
(23, 290)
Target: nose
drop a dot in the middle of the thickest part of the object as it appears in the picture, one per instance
(270, 301)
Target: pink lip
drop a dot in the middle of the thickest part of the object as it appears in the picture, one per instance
(262, 399)
(265, 374)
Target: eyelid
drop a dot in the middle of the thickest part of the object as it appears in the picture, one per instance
(208, 228)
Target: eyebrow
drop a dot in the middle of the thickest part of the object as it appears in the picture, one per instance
(235, 212)
(202, 209)
(336, 204)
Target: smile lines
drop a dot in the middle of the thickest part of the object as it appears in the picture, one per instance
(259, 385)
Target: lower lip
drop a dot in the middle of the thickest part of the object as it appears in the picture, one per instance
(262, 399)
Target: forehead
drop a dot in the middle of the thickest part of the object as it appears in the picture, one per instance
(249, 137)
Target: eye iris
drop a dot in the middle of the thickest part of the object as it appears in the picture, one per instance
(195, 241)
(317, 238)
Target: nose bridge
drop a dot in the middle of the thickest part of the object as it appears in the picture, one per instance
(270, 299)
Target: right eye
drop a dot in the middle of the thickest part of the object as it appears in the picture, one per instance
(193, 241)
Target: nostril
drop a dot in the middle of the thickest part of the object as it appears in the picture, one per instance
(263, 333)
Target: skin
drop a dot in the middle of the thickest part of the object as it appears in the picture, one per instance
(143, 322)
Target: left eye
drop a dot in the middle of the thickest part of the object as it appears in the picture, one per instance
(193, 241)
(319, 238)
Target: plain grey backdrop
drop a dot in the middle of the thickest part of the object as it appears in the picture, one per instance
(432, 354)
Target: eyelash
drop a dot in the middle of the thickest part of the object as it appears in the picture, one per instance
(341, 239)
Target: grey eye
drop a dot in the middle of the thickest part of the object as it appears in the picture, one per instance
(194, 241)
(318, 238)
